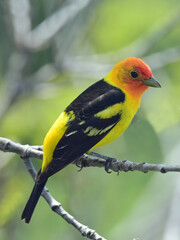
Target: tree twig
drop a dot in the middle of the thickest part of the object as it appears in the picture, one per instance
(21, 21)
(19, 59)
(57, 207)
(83, 67)
(27, 41)
(102, 63)
(38, 38)
(89, 160)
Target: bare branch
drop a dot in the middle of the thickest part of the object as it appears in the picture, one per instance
(15, 81)
(89, 160)
(57, 207)
(36, 39)
(96, 64)
(27, 40)
(161, 59)
(20, 18)
(7, 145)
(18, 11)
(87, 68)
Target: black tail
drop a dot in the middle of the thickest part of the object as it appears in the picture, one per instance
(33, 199)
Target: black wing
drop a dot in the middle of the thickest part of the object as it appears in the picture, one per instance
(86, 130)
(96, 98)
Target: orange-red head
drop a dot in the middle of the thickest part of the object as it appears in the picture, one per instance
(133, 76)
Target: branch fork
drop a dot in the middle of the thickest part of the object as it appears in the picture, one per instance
(86, 160)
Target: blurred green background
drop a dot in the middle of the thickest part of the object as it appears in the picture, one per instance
(50, 51)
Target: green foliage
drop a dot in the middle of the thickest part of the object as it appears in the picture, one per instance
(122, 22)
(12, 198)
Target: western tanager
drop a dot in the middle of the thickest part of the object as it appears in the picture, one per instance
(96, 117)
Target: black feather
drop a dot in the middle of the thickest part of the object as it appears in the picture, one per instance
(96, 98)
(77, 138)
(33, 199)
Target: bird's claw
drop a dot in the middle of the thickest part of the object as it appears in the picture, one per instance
(107, 165)
(81, 166)
(118, 170)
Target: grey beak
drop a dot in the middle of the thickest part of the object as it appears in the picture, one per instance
(151, 82)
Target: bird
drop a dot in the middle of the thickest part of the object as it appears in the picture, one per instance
(98, 116)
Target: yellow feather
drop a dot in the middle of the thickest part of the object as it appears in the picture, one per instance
(127, 109)
(110, 111)
(54, 135)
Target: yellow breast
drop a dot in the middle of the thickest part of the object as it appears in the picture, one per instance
(128, 109)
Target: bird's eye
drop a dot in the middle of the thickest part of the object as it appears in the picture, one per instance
(134, 74)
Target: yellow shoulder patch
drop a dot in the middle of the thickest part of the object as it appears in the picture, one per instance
(110, 111)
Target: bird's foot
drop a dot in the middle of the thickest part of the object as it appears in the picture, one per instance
(107, 165)
(81, 165)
